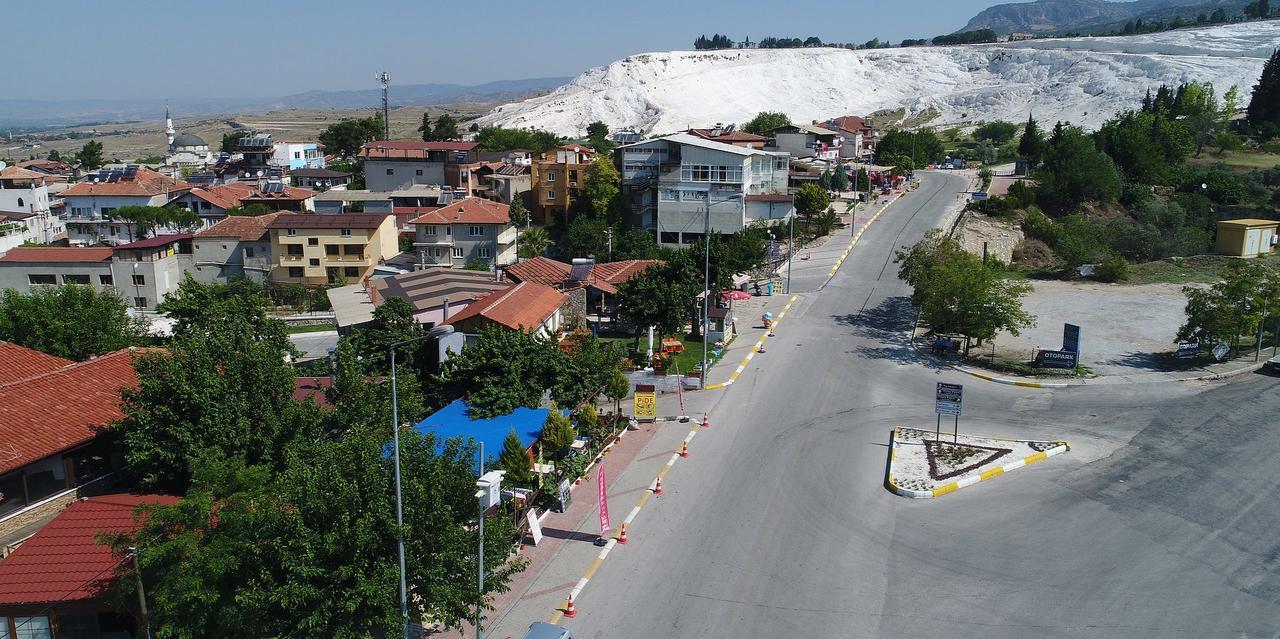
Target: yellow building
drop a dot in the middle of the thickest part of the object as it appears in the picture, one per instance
(1247, 237)
(312, 249)
(556, 177)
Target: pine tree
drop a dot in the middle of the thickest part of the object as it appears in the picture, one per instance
(515, 460)
(1264, 106)
(1031, 146)
(824, 180)
(426, 129)
(840, 180)
(557, 433)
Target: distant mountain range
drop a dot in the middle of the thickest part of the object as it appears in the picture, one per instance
(1058, 16)
(41, 113)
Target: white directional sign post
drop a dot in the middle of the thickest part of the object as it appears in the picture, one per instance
(947, 401)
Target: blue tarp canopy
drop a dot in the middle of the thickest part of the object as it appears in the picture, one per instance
(455, 420)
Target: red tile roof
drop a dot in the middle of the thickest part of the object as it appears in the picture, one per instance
(325, 221)
(472, 210)
(56, 254)
(147, 183)
(850, 123)
(19, 362)
(605, 276)
(311, 389)
(242, 227)
(63, 562)
(618, 272)
(540, 270)
(19, 173)
(155, 242)
(61, 409)
(524, 306)
(225, 196)
(732, 136)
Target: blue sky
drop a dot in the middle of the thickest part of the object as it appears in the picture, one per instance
(97, 49)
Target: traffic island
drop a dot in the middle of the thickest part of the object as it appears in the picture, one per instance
(925, 464)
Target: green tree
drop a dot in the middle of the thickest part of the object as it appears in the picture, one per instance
(501, 371)
(839, 180)
(996, 132)
(811, 200)
(446, 128)
(1263, 111)
(231, 141)
(602, 190)
(194, 304)
(557, 433)
(393, 322)
(617, 388)
(1031, 144)
(1075, 171)
(1231, 308)
(222, 390)
(515, 460)
(1147, 148)
(766, 121)
(54, 156)
(493, 138)
(71, 321)
(662, 298)
(957, 293)
(517, 213)
(534, 242)
(636, 244)
(345, 138)
(90, 155)
(252, 210)
(584, 372)
(917, 148)
(586, 236)
(426, 128)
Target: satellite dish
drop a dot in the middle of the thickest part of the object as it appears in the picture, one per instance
(3, 166)
(259, 173)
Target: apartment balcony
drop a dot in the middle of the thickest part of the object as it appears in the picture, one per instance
(347, 260)
(440, 240)
(293, 260)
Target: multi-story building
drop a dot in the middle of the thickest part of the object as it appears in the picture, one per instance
(27, 212)
(555, 178)
(807, 141)
(464, 231)
(323, 179)
(142, 272)
(211, 202)
(679, 183)
(859, 136)
(398, 164)
(89, 204)
(298, 155)
(730, 135)
(323, 249)
(239, 246)
(258, 152)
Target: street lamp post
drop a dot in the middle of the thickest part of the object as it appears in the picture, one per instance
(395, 437)
(706, 279)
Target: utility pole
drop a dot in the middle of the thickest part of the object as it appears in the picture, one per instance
(395, 432)
(480, 574)
(142, 595)
(385, 79)
(791, 245)
(608, 233)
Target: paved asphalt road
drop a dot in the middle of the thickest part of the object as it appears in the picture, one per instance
(315, 345)
(1161, 521)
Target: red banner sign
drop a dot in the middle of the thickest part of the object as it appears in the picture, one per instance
(604, 500)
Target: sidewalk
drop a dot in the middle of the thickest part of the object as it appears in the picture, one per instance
(568, 556)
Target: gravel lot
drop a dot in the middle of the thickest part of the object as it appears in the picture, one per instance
(1121, 327)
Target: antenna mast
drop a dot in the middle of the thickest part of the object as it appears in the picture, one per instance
(385, 79)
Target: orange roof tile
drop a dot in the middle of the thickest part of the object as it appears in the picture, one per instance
(524, 306)
(61, 409)
(147, 183)
(540, 270)
(472, 210)
(63, 562)
(243, 227)
(56, 254)
(19, 362)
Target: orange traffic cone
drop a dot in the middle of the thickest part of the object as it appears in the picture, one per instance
(569, 611)
(622, 534)
(657, 487)
(706, 423)
(684, 449)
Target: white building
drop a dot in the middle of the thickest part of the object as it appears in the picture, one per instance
(808, 141)
(29, 213)
(91, 202)
(679, 182)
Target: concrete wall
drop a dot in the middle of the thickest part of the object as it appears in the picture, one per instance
(403, 174)
(159, 278)
(219, 259)
(14, 274)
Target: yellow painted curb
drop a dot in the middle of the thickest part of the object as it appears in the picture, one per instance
(968, 480)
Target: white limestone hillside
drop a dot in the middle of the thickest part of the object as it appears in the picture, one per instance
(1081, 80)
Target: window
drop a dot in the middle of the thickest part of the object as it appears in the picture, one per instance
(476, 231)
(573, 176)
(351, 271)
(205, 206)
(75, 279)
(139, 279)
(297, 155)
(353, 249)
(313, 241)
(295, 271)
(32, 628)
(429, 231)
(20, 202)
(140, 302)
(457, 252)
(448, 230)
(46, 478)
(330, 249)
(106, 280)
(484, 252)
(315, 261)
(293, 249)
(40, 278)
(346, 232)
(291, 232)
(248, 251)
(418, 172)
(551, 195)
(14, 499)
(670, 238)
(391, 171)
(551, 176)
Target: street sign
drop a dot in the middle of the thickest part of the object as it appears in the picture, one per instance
(1071, 338)
(947, 398)
(604, 499)
(1056, 359)
(1187, 350)
(535, 528)
(646, 403)
(564, 495)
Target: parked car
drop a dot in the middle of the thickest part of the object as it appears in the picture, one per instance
(544, 630)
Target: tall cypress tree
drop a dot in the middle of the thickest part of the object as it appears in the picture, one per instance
(1264, 106)
(1031, 146)
(515, 460)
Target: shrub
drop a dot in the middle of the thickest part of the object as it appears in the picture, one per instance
(1112, 269)
(1037, 225)
(557, 433)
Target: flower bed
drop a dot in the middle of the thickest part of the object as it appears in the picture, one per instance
(923, 462)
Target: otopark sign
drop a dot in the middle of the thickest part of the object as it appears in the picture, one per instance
(1068, 356)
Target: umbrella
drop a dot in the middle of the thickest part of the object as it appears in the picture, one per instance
(736, 295)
